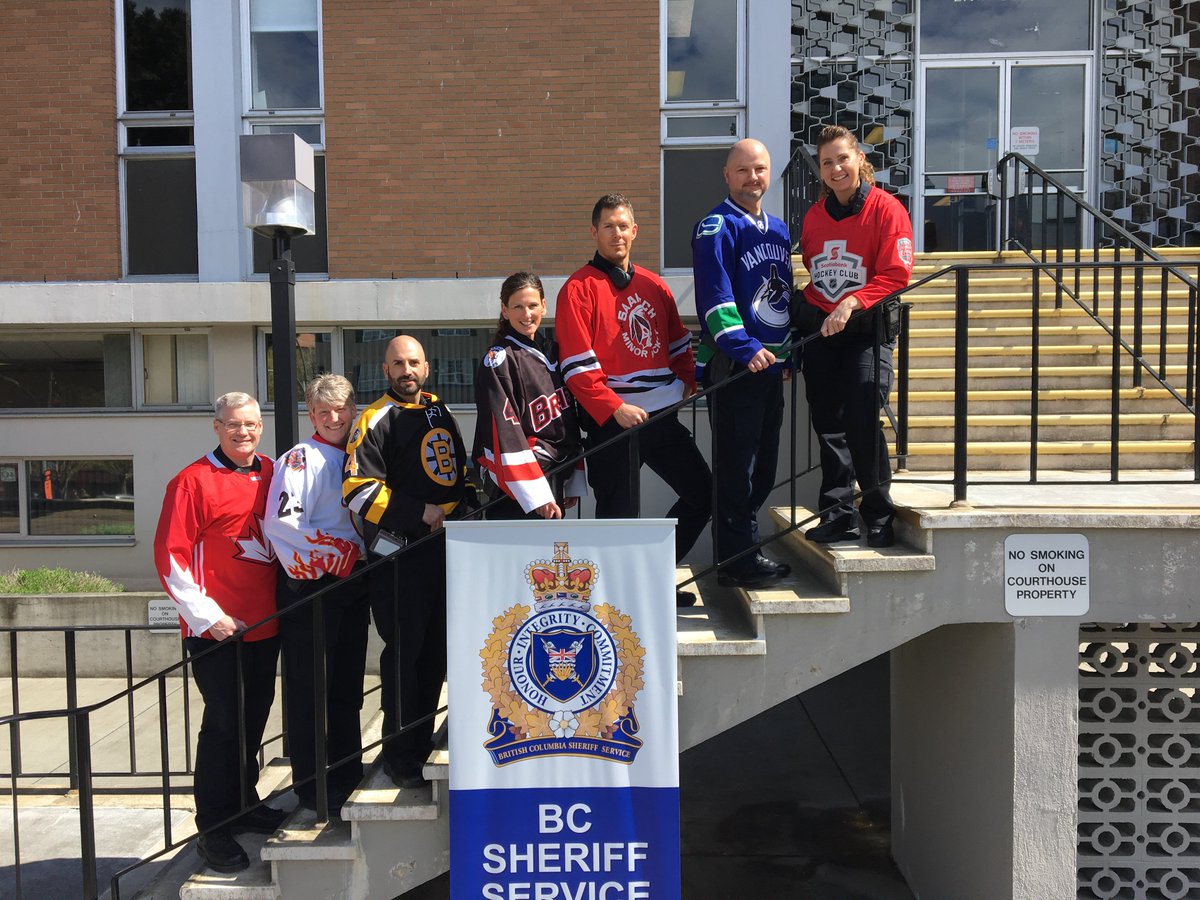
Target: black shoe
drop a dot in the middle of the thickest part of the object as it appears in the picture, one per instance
(832, 532)
(221, 852)
(749, 577)
(881, 535)
(684, 599)
(783, 570)
(408, 777)
(410, 780)
(260, 820)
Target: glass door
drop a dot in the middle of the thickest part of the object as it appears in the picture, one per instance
(974, 114)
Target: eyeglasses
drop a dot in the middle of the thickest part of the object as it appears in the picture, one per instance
(238, 426)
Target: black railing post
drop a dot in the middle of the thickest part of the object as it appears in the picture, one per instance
(902, 393)
(129, 701)
(82, 745)
(187, 712)
(1035, 366)
(961, 384)
(1193, 351)
(1059, 201)
(713, 399)
(1045, 209)
(164, 754)
(240, 683)
(1163, 311)
(793, 417)
(1138, 283)
(15, 730)
(1002, 236)
(14, 755)
(1114, 405)
(72, 703)
(635, 474)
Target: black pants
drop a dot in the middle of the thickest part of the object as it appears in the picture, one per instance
(839, 382)
(217, 781)
(670, 451)
(746, 417)
(345, 614)
(409, 609)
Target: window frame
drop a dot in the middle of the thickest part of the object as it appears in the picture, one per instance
(136, 365)
(336, 360)
(287, 113)
(298, 116)
(23, 537)
(127, 118)
(139, 368)
(739, 64)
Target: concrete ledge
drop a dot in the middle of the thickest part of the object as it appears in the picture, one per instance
(303, 837)
(379, 800)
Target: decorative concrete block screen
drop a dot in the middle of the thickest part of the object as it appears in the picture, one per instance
(1150, 116)
(852, 65)
(1139, 761)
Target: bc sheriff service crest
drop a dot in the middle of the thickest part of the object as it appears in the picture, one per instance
(563, 674)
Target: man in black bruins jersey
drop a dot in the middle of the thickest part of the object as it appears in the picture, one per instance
(405, 474)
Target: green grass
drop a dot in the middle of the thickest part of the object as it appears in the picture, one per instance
(55, 581)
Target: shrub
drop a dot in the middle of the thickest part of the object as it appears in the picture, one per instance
(55, 581)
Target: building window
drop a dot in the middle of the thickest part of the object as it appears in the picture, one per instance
(694, 149)
(77, 498)
(158, 171)
(160, 216)
(94, 370)
(157, 55)
(357, 353)
(702, 52)
(283, 95)
(175, 370)
(314, 356)
(285, 54)
(703, 114)
(65, 371)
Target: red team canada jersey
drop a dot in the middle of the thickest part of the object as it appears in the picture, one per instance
(868, 254)
(210, 551)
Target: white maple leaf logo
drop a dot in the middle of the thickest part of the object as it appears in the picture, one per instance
(252, 547)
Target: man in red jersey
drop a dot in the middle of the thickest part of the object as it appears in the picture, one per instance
(214, 562)
(627, 358)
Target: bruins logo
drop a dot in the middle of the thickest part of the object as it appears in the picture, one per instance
(437, 449)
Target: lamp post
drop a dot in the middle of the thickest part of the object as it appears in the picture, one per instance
(278, 202)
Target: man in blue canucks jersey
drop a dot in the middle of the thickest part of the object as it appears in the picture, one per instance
(742, 266)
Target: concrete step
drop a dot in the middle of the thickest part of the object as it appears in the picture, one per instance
(929, 354)
(1073, 455)
(833, 564)
(719, 624)
(1052, 427)
(1010, 316)
(1082, 332)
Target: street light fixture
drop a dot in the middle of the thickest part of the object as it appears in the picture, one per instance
(279, 202)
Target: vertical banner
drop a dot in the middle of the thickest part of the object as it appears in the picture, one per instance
(564, 742)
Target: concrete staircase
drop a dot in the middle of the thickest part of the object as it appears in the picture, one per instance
(739, 653)
(1074, 415)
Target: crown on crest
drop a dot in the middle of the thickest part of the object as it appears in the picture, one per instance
(562, 581)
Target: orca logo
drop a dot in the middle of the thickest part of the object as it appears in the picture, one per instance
(709, 226)
(771, 300)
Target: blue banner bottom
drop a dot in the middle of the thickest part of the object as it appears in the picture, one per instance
(565, 844)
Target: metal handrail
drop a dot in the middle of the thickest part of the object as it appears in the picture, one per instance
(78, 715)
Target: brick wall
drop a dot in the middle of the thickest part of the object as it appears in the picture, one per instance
(473, 138)
(59, 212)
